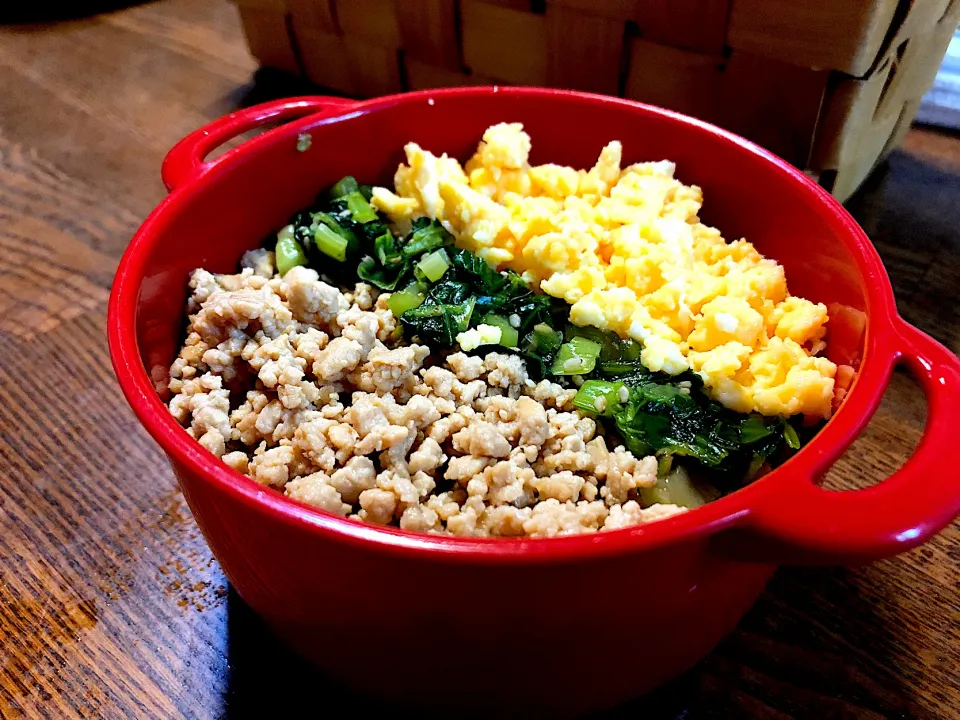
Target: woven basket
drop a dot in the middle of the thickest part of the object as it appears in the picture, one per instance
(829, 85)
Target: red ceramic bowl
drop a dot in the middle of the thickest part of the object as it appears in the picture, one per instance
(550, 625)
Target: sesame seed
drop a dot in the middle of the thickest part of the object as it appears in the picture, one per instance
(623, 394)
(600, 403)
(514, 320)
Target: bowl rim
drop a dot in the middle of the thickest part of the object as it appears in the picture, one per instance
(727, 512)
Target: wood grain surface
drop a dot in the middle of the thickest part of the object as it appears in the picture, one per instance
(111, 605)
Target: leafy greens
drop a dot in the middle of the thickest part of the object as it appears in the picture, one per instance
(671, 415)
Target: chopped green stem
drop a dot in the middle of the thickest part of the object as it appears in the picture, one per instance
(353, 243)
(577, 357)
(359, 207)
(346, 186)
(400, 302)
(433, 266)
(509, 337)
(599, 397)
(608, 341)
(330, 243)
(288, 252)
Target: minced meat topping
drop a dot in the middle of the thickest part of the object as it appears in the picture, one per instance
(305, 389)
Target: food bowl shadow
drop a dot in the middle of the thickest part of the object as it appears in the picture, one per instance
(797, 638)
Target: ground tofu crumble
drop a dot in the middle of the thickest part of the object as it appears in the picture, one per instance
(307, 390)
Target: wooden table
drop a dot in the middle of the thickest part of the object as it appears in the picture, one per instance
(110, 602)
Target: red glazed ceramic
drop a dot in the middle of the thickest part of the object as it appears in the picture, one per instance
(546, 626)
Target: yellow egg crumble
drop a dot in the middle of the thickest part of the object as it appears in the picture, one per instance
(625, 247)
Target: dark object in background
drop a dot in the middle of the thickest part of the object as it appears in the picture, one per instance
(52, 12)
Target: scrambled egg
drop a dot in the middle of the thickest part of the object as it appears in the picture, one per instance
(626, 249)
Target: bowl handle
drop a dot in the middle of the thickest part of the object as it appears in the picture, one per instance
(185, 161)
(806, 524)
